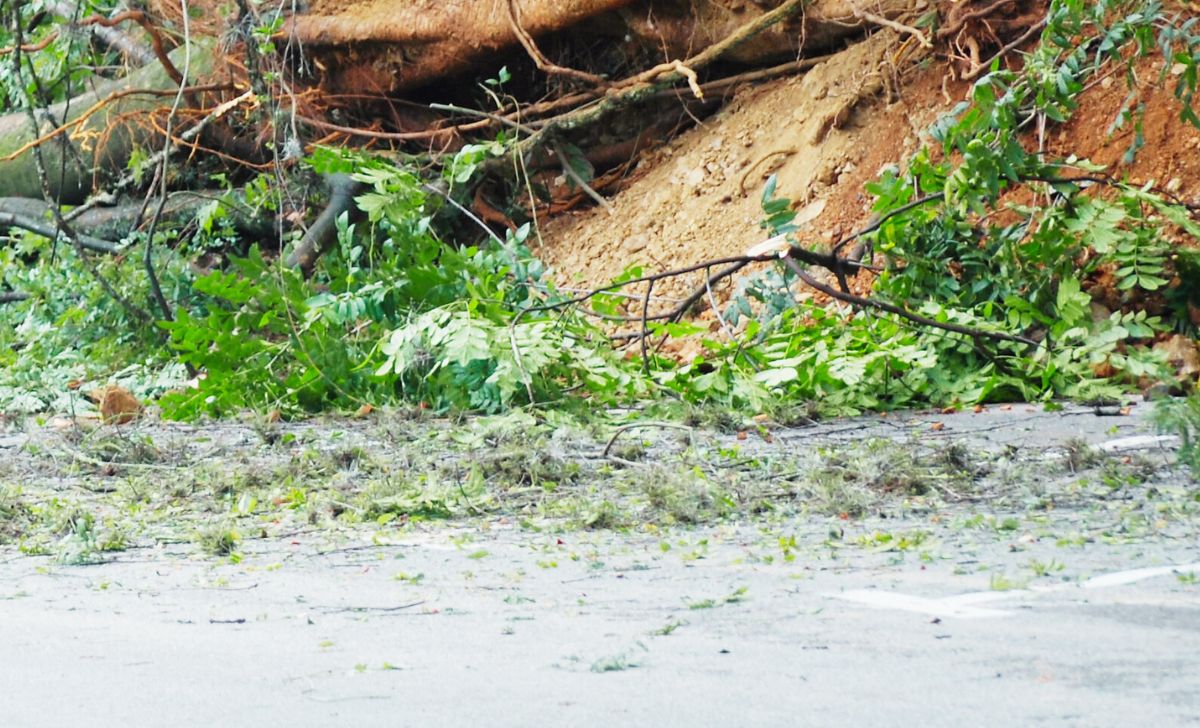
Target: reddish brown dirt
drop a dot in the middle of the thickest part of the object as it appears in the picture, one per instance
(699, 197)
(1171, 155)
(1169, 159)
(824, 135)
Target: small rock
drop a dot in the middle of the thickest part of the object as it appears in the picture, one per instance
(1174, 185)
(1178, 69)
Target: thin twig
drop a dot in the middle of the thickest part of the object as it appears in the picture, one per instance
(638, 425)
(110, 36)
(62, 225)
(879, 221)
(645, 313)
(456, 205)
(569, 170)
(974, 73)
(147, 259)
(712, 301)
(896, 26)
(487, 115)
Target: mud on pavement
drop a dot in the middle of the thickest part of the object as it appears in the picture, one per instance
(1012, 565)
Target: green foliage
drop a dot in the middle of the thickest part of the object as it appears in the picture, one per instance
(455, 357)
(61, 67)
(1182, 417)
(958, 247)
(70, 329)
(976, 230)
(394, 312)
(259, 347)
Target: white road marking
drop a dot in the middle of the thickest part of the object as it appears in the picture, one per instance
(963, 606)
(905, 602)
(1128, 577)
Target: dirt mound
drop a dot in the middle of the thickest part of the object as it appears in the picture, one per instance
(824, 135)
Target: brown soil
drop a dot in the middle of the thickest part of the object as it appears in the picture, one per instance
(824, 135)
(698, 197)
(1171, 155)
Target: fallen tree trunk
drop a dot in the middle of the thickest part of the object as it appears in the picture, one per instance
(113, 224)
(93, 134)
(392, 45)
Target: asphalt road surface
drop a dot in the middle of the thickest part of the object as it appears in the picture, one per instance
(970, 616)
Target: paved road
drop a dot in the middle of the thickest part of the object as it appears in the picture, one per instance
(965, 617)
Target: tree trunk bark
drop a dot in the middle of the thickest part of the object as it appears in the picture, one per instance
(106, 128)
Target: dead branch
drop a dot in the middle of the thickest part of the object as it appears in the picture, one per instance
(540, 60)
(403, 136)
(894, 25)
(156, 40)
(671, 72)
(323, 232)
(48, 230)
(646, 83)
(109, 36)
(977, 71)
(99, 106)
(580, 182)
(640, 425)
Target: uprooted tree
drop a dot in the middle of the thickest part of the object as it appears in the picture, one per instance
(231, 148)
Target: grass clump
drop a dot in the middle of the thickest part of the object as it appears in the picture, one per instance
(218, 540)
